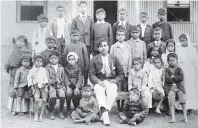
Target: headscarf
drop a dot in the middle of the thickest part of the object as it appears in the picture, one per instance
(72, 54)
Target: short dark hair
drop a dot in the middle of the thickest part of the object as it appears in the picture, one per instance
(138, 59)
(122, 10)
(86, 86)
(120, 30)
(156, 58)
(59, 6)
(37, 57)
(75, 31)
(102, 40)
(152, 48)
(144, 13)
(170, 41)
(157, 29)
(172, 55)
(100, 10)
(183, 36)
(136, 91)
(82, 2)
(55, 53)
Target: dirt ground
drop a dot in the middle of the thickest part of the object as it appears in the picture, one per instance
(9, 121)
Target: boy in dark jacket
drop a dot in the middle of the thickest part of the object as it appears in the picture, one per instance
(135, 109)
(174, 87)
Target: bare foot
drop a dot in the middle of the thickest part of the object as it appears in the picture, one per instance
(158, 111)
(88, 123)
(21, 114)
(14, 113)
(78, 121)
(121, 122)
(36, 118)
(186, 120)
(40, 118)
(172, 121)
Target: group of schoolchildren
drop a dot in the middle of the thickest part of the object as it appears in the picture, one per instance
(61, 55)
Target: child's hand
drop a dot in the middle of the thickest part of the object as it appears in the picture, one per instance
(76, 91)
(79, 111)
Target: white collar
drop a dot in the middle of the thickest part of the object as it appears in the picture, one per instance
(157, 43)
(120, 22)
(143, 25)
(101, 22)
(137, 40)
(61, 19)
(121, 45)
(81, 15)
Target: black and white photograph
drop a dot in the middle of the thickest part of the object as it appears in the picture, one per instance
(91, 63)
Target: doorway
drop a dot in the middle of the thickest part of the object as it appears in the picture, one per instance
(110, 8)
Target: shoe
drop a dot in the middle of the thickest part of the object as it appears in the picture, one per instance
(62, 115)
(106, 119)
(52, 116)
(121, 122)
(132, 123)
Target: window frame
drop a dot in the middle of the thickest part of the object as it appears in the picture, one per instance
(180, 22)
(18, 14)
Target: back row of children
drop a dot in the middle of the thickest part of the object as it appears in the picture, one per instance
(137, 59)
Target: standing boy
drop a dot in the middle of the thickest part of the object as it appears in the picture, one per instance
(39, 35)
(138, 47)
(157, 34)
(145, 29)
(100, 30)
(123, 52)
(51, 43)
(83, 23)
(61, 29)
(166, 27)
(122, 23)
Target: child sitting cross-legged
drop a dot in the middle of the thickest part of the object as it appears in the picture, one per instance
(88, 109)
(135, 109)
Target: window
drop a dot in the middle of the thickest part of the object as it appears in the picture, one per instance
(29, 10)
(178, 11)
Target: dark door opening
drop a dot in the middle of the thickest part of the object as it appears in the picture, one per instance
(110, 8)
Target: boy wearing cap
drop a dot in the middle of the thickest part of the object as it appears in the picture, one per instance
(38, 82)
(81, 50)
(146, 30)
(39, 35)
(57, 84)
(135, 109)
(122, 24)
(162, 23)
(20, 82)
(100, 30)
(51, 47)
(61, 29)
(138, 47)
(83, 23)
(88, 109)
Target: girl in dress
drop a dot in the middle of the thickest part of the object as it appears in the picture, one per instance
(188, 61)
(170, 48)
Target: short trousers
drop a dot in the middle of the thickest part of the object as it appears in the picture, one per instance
(56, 93)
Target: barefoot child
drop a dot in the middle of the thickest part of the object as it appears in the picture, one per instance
(57, 87)
(75, 80)
(88, 109)
(21, 47)
(37, 80)
(123, 52)
(170, 48)
(174, 87)
(156, 82)
(135, 109)
(20, 82)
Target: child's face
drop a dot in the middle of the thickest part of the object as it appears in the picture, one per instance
(103, 48)
(135, 34)
(122, 15)
(183, 42)
(60, 12)
(155, 52)
(170, 47)
(38, 62)
(157, 35)
(133, 96)
(26, 63)
(143, 18)
(137, 65)
(72, 60)
(86, 92)
(162, 17)
(157, 63)
(50, 44)
(20, 43)
(83, 8)
(120, 36)
(172, 61)
(75, 37)
(54, 60)
(100, 16)
(43, 23)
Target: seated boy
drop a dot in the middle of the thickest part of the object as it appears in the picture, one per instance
(88, 109)
(57, 87)
(174, 87)
(135, 109)
(51, 47)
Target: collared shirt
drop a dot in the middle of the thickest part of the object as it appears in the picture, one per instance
(143, 26)
(157, 43)
(61, 26)
(55, 67)
(100, 22)
(83, 16)
(106, 69)
(121, 45)
(122, 23)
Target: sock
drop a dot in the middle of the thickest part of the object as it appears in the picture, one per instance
(52, 104)
(62, 102)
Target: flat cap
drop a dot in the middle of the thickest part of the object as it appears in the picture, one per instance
(162, 11)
